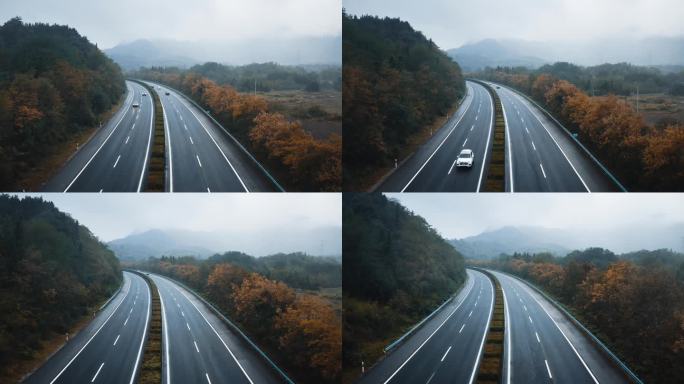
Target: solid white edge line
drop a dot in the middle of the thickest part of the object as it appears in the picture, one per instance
(484, 336)
(440, 144)
(472, 283)
(92, 337)
(142, 339)
(489, 135)
(566, 338)
(216, 144)
(165, 342)
(554, 140)
(101, 145)
(149, 141)
(217, 334)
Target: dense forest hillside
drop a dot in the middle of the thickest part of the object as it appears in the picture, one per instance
(397, 269)
(633, 302)
(273, 303)
(53, 84)
(644, 157)
(395, 83)
(53, 271)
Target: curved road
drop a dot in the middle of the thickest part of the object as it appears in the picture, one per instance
(539, 154)
(447, 348)
(199, 347)
(109, 349)
(432, 168)
(115, 159)
(543, 346)
(201, 156)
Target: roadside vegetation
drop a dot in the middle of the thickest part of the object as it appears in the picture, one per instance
(53, 274)
(642, 156)
(396, 83)
(54, 85)
(298, 159)
(397, 270)
(273, 300)
(633, 302)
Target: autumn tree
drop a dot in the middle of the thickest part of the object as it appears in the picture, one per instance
(258, 301)
(222, 280)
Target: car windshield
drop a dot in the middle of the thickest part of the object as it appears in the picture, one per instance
(465, 155)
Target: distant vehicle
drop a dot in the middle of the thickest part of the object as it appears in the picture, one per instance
(497, 87)
(465, 158)
(144, 94)
(136, 105)
(167, 93)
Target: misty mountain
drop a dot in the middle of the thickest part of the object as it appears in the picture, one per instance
(293, 51)
(323, 241)
(508, 240)
(652, 51)
(622, 239)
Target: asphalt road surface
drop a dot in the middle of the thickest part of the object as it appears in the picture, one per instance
(544, 346)
(432, 167)
(201, 156)
(540, 156)
(448, 347)
(116, 158)
(199, 347)
(109, 349)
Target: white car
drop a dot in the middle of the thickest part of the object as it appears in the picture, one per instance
(465, 158)
(144, 94)
(136, 105)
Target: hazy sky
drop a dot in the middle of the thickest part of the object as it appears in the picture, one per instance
(460, 215)
(112, 216)
(452, 23)
(110, 22)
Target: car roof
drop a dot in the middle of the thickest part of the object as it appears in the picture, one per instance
(466, 152)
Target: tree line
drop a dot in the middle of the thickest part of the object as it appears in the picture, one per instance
(397, 269)
(297, 159)
(53, 272)
(302, 331)
(633, 302)
(53, 84)
(395, 83)
(643, 157)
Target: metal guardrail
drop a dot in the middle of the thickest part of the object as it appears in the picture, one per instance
(628, 372)
(398, 341)
(236, 141)
(579, 143)
(234, 327)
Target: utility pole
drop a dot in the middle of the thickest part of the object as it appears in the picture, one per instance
(255, 86)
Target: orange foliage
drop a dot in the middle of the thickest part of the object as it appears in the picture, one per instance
(312, 332)
(259, 300)
(222, 281)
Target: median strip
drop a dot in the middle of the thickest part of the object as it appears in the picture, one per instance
(156, 173)
(491, 366)
(496, 172)
(151, 363)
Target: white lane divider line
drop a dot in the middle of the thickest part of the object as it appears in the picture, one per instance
(530, 319)
(548, 369)
(452, 167)
(97, 373)
(445, 353)
(207, 375)
(525, 306)
(536, 334)
(187, 325)
(533, 146)
(127, 137)
(191, 142)
(461, 330)
(117, 161)
(198, 161)
(125, 322)
(527, 130)
(430, 378)
(466, 140)
(133, 126)
(208, 190)
(471, 128)
(183, 313)
(196, 348)
(542, 169)
(100, 190)
(476, 116)
(470, 314)
(185, 126)
(117, 339)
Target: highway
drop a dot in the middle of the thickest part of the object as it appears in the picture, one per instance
(200, 156)
(115, 159)
(544, 346)
(199, 347)
(432, 167)
(448, 347)
(109, 349)
(540, 156)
